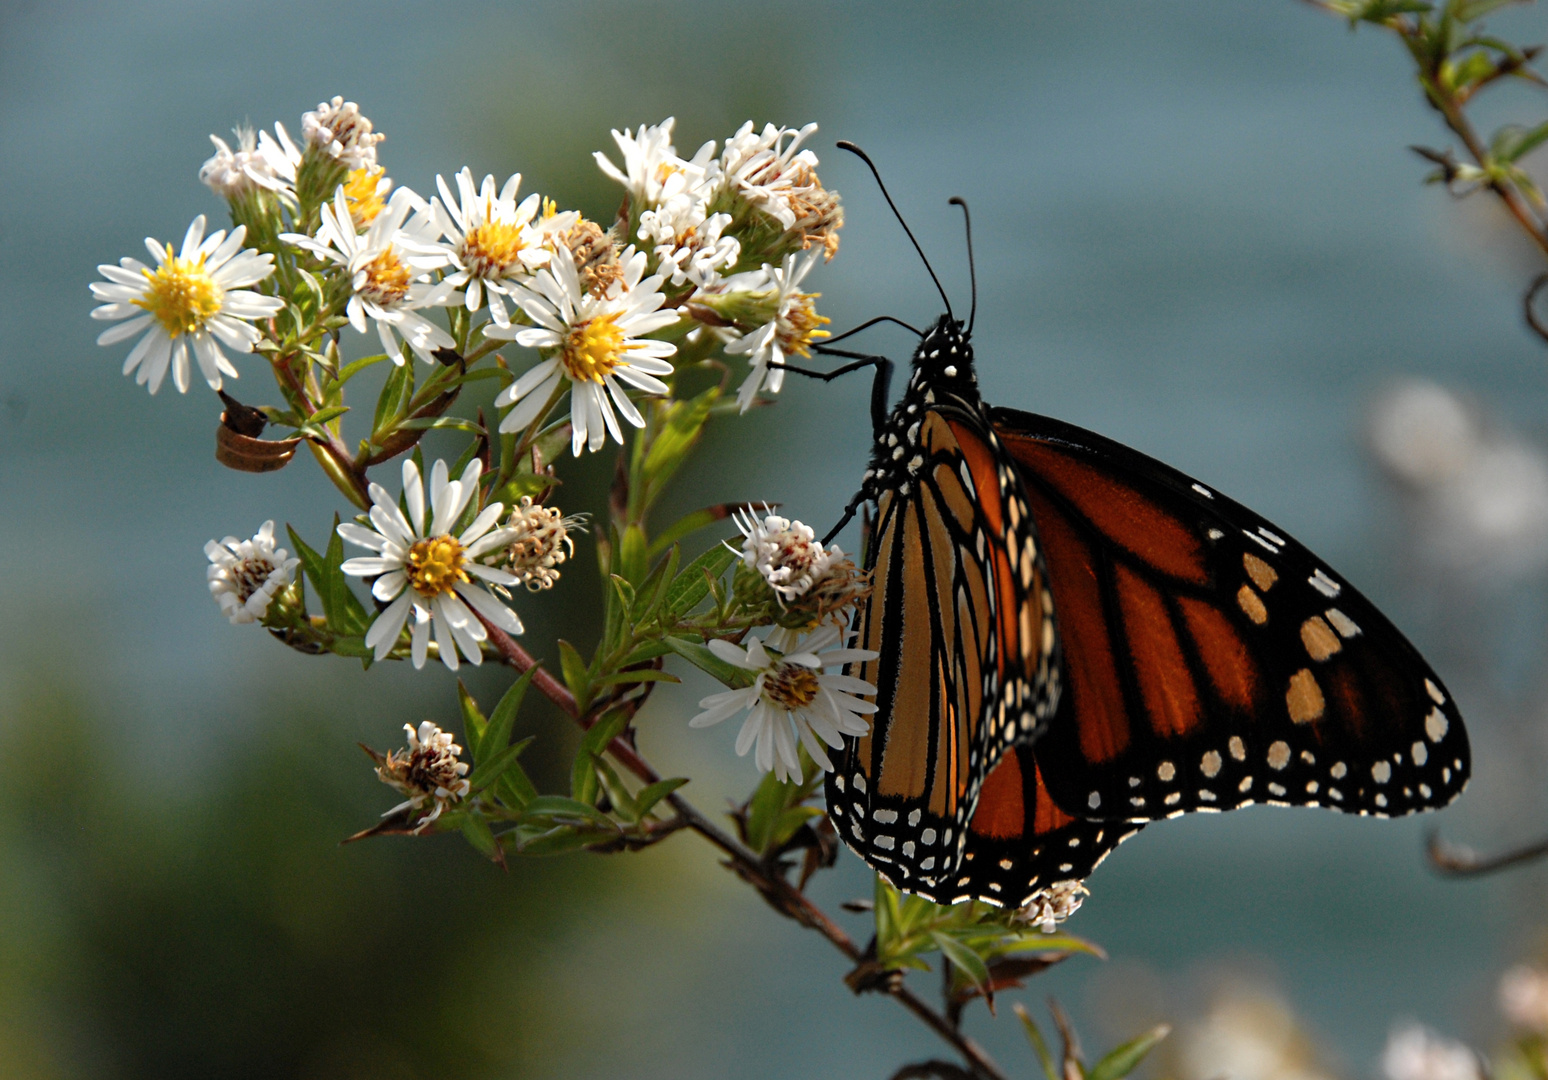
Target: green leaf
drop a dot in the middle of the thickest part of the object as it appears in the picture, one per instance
(623, 803)
(560, 840)
(1466, 11)
(473, 723)
(684, 423)
(692, 523)
(345, 613)
(350, 370)
(428, 423)
(394, 398)
(692, 585)
(1039, 1045)
(706, 661)
(476, 829)
(504, 715)
(583, 777)
(494, 767)
(576, 677)
(1513, 143)
(652, 590)
(311, 562)
(963, 958)
(633, 561)
(652, 794)
(1123, 1060)
(322, 416)
(639, 675)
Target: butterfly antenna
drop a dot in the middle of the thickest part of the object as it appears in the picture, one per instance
(845, 144)
(967, 227)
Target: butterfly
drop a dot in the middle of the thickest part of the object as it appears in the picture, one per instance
(1075, 639)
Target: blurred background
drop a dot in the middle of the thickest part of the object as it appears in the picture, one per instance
(1199, 232)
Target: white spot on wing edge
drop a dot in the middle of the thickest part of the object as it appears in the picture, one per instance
(1324, 584)
(1204, 491)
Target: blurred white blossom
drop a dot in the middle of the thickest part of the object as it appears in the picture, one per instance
(1524, 997)
(340, 130)
(1414, 1052)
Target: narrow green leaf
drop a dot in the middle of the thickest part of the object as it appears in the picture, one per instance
(345, 612)
(515, 788)
(429, 423)
(496, 764)
(311, 562)
(355, 367)
(639, 675)
(351, 645)
(558, 806)
(476, 829)
(623, 803)
(706, 661)
(560, 840)
(1466, 11)
(769, 799)
(1522, 141)
(322, 416)
(684, 424)
(1039, 1045)
(583, 777)
(963, 958)
(473, 723)
(1123, 1060)
(504, 715)
(576, 677)
(1038, 942)
(692, 523)
(652, 590)
(632, 559)
(693, 583)
(652, 794)
(394, 398)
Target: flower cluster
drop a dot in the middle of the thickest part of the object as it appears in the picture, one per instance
(245, 575)
(427, 772)
(1051, 906)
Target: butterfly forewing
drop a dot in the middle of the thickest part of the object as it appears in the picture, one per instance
(963, 622)
(1210, 661)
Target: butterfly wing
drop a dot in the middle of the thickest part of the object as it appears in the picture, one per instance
(1210, 661)
(1019, 841)
(962, 620)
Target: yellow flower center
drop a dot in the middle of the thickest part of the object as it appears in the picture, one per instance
(492, 248)
(360, 191)
(593, 348)
(434, 566)
(801, 325)
(791, 686)
(387, 279)
(181, 294)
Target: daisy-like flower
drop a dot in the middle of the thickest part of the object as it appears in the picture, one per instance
(537, 543)
(1052, 905)
(652, 171)
(245, 575)
(428, 772)
(688, 241)
(259, 161)
(428, 572)
(596, 342)
(490, 239)
(779, 179)
(786, 553)
(340, 130)
(793, 329)
(193, 299)
(792, 698)
(389, 266)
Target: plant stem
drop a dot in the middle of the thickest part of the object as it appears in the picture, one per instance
(769, 883)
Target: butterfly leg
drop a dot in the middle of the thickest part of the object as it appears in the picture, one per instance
(880, 385)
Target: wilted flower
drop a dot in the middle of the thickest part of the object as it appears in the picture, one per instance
(1524, 997)
(388, 268)
(593, 250)
(538, 542)
(428, 571)
(428, 772)
(191, 299)
(596, 343)
(792, 698)
(784, 552)
(245, 575)
(1050, 906)
(259, 161)
(792, 329)
(340, 130)
(490, 238)
(1414, 1052)
(652, 171)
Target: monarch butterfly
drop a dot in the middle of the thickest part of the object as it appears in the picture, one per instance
(1076, 639)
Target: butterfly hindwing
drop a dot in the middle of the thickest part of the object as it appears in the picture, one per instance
(1210, 661)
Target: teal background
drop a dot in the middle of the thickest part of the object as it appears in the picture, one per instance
(1198, 231)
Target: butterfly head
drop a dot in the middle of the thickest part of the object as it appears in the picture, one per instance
(943, 362)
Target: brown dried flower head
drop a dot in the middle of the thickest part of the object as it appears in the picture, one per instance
(596, 255)
(1051, 906)
(427, 772)
(541, 543)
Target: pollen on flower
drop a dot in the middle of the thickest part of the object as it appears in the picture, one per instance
(427, 772)
(434, 565)
(181, 294)
(387, 279)
(592, 348)
(364, 191)
(492, 248)
(1052, 905)
(540, 544)
(800, 325)
(791, 686)
(785, 552)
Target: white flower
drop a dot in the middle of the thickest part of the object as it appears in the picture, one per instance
(245, 575)
(1416, 1053)
(1524, 997)
(688, 241)
(1052, 905)
(492, 238)
(259, 161)
(389, 267)
(429, 572)
(191, 299)
(792, 698)
(791, 332)
(339, 130)
(652, 170)
(597, 344)
(429, 772)
(537, 543)
(785, 552)
(766, 170)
